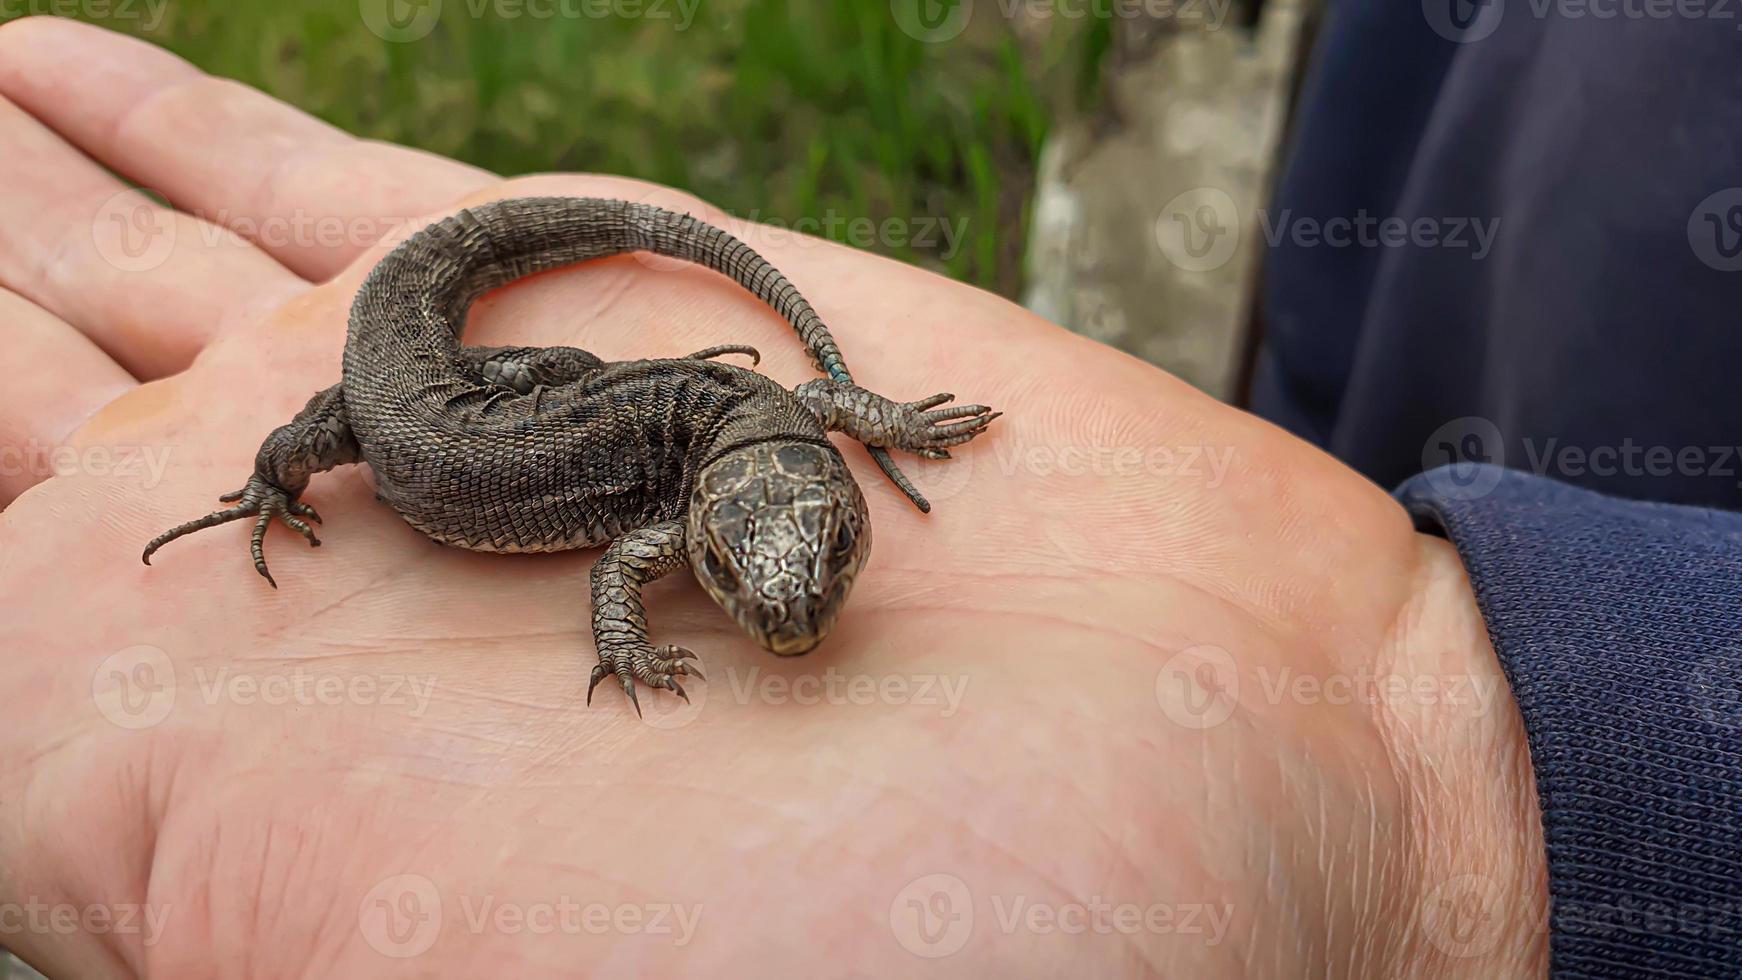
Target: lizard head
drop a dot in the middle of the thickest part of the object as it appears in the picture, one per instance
(777, 533)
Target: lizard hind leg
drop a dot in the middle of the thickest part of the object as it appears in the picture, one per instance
(316, 440)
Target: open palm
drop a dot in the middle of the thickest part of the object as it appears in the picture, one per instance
(1057, 729)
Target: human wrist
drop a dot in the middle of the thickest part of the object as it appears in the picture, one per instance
(1477, 898)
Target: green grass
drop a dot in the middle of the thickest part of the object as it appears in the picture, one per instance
(784, 110)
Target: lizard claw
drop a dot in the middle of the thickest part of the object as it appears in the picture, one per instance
(656, 667)
(929, 431)
(258, 499)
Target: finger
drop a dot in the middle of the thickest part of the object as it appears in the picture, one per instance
(309, 194)
(148, 285)
(54, 379)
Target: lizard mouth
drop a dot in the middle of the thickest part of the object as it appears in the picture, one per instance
(791, 646)
(794, 627)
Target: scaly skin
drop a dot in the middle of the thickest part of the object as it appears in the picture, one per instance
(548, 449)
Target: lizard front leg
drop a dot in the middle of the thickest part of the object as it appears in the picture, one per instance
(919, 427)
(620, 619)
(316, 440)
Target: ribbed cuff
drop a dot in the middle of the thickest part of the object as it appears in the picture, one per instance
(1619, 626)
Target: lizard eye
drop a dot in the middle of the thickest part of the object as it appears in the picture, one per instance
(841, 546)
(719, 571)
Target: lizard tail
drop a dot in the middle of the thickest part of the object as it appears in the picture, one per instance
(489, 246)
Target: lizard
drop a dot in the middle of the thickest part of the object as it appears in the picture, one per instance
(665, 462)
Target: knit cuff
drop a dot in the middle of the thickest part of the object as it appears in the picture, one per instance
(1619, 627)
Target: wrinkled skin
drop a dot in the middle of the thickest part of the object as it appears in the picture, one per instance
(1070, 688)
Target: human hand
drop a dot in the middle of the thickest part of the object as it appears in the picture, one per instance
(1069, 697)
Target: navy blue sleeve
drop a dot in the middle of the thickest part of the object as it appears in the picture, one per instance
(1570, 303)
(1619, 627)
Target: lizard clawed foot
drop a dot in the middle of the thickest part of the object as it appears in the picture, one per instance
(922, 428)
(653, 666)
(260, 500)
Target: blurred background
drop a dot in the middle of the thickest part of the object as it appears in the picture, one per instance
(1045, 150)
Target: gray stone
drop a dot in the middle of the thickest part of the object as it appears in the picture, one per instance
(1145, 232)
